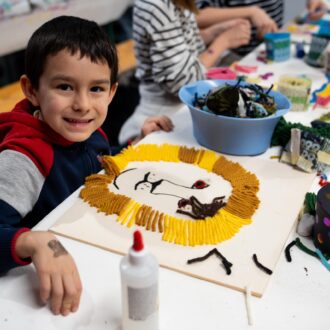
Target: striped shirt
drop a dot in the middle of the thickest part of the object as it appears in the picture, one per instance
(274, 8)
(167, 44)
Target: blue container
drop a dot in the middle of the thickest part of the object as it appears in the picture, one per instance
(230, 135)
(278, 46)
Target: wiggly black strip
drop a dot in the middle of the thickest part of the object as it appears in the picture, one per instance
(199, 259)
(287, 250)
(259, 265)
(224, 261)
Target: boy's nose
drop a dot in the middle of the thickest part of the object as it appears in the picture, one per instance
(81, 103)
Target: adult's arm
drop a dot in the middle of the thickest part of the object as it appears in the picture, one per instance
(257, 16)
(316, 9)
(237, 34)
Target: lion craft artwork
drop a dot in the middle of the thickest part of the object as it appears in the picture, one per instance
(212, 223)
(201, 213)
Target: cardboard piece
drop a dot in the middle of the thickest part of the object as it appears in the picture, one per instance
(282, 192)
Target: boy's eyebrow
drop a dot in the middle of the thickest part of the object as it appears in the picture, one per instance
(101, 81)
(68, 78)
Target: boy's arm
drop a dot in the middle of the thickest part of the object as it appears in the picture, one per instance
(59, 279)
(8, 238)
(21, 183)
(58, 275)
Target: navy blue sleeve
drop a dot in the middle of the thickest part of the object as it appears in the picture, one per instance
(9, 232)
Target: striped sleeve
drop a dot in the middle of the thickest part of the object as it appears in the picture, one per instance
(168, 43)
(207, 3)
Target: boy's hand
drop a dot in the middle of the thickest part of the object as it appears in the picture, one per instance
(316, 9)
(58, 275)
(157, 123)
(262, 21)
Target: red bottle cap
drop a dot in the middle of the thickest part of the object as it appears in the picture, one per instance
(138, 241)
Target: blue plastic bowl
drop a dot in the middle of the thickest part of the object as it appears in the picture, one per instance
(230, 135)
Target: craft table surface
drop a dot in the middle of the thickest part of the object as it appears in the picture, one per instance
(296, 298)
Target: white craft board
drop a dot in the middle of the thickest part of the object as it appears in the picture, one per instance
(282, 192)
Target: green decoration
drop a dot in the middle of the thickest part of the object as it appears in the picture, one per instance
(282, 132)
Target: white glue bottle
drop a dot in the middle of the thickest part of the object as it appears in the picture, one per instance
(139, 285)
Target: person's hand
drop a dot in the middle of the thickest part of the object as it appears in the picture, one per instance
(316, 9)
(156, 123)
(237, 35)
(262, 21)
(58, 275)
(211, 32)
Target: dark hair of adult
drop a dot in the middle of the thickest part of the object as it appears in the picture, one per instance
(76, 35)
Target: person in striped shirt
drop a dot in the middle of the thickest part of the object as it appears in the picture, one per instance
(265, 16)
(171, 52)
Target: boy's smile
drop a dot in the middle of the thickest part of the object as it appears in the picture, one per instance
(74, 94)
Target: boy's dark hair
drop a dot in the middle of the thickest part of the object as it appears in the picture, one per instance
(74, 34)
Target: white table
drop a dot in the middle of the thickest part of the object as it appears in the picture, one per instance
(296, 298)
(16, 31)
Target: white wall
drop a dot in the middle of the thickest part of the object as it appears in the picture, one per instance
(292, 8)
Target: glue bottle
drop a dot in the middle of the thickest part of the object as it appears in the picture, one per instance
(139, 285)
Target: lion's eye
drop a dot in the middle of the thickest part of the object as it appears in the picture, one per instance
(199, 184)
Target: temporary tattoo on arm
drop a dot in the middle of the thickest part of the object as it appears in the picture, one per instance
(57, 247)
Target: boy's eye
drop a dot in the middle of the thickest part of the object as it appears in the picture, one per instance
(97, 89)
(64, 87)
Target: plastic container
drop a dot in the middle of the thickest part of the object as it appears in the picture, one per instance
(277, 46)
(297, 89)
(229, 135)
(321, 232)
(139, 282)
(317, 51)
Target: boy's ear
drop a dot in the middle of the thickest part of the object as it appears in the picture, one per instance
(28, 90)
(112, 93)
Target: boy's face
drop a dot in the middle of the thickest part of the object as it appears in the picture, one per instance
(74, 94)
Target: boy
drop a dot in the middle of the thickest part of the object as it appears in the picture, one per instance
(49, 143)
